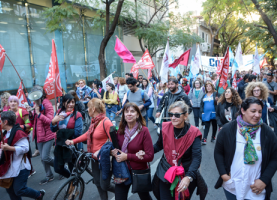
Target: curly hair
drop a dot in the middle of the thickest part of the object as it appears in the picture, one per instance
(250, 87)
(200, 82)
(236, 100)
(209, 83)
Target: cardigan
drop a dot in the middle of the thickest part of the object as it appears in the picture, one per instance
(225, 150)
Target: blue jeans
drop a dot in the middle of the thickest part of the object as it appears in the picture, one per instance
(150, 114)
(19, 187)
(110, 115)
(230, 196)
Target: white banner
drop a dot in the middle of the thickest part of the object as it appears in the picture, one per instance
(210, 63)
(108, 79)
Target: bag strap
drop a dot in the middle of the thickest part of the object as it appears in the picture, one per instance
(105, 128)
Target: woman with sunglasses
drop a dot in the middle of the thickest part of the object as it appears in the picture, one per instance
(246, 154)
(227, 107)
(260, 91)
(208, 108)
(181, 143)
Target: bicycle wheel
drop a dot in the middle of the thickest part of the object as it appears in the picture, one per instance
(72, 189)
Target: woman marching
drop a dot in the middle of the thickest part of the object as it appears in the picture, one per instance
(195, 95)
(15, 162)
(208, 108)
(177, 174)
(227, 107)
(4, 101)
(96, 137)
(110, 99)
(246, 154)
(133, 137)
(67, 122)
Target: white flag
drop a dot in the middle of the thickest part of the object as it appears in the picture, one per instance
(256, 63)
(108, 79)
(197, 62)
(238, 62)
(165, 63)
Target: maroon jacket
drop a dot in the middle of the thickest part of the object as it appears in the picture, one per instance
(142, 141)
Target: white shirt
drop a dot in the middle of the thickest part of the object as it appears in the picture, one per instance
(21, 147)
(244, 175)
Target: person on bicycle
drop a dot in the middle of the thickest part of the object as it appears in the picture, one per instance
(66, 118)
(133, 137)
(96, 137)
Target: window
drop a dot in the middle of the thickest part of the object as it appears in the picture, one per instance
(203, 36)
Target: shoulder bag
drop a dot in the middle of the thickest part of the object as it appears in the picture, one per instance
(141, 180)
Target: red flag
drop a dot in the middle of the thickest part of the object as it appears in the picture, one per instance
(218, 69)
(53, 76)
(234, 83)
(146, 61)
(123, 52)
(261, 66)
(21, 97)
(149, 73)
(183, 60)
(134, 71)
(2, 57)
(224, 70)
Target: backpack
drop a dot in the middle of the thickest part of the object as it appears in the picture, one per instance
(142, 96)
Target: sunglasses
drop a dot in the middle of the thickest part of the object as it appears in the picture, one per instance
(177, 115)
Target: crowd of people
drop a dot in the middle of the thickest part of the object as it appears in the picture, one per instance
(243, 120)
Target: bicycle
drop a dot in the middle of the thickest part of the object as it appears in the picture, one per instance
(74, 187)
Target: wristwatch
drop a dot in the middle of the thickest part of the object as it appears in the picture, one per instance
(190, 178)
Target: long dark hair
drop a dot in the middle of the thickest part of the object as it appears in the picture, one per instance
(123, 122)
(144, 87)
(107, 93)
(67, 98)
(248, 102)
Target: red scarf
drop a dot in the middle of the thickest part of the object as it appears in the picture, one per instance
(94, 123)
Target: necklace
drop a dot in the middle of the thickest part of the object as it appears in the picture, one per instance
(176, 137)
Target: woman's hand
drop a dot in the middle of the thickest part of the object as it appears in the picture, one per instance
(37, 110)
(225, 177)
(140, 154)
(57, 119)
(184, 184)
(96, 153)
(69, 142)
(114, 152)
(258, 186)
(270, 109)
(5, 146)
(121, 157)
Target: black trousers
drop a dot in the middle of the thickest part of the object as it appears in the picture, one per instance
(165, 193)
(121, 192)
(207, 128)
(196, 113)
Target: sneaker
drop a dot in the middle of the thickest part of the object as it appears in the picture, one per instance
(46, 180)
(42, 193)
(155, 126)
(33, 172)
(36, 153)
(213, 139)
(204, 141)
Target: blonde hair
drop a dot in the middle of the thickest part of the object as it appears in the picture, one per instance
(250, 87)
(83, 81)
(6, 96)
(98, 104)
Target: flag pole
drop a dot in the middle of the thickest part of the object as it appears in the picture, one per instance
(18, 75)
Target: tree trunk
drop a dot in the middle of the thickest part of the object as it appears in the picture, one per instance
(212, 46)
(267, 21)
(108, 35)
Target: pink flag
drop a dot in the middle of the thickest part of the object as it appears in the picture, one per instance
(2, 57)
(123, 52)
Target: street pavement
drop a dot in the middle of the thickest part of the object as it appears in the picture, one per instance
(207, 168)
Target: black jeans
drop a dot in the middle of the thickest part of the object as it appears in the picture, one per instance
(102, 185)
(121, 192)
(61, 170)
(165, 193)
(207, 128)
(196, 113)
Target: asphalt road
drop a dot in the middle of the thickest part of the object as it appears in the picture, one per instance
(207, 168)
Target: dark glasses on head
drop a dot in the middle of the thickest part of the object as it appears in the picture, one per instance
(177, 115)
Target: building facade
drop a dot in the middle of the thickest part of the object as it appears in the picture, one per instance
(26, 41)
